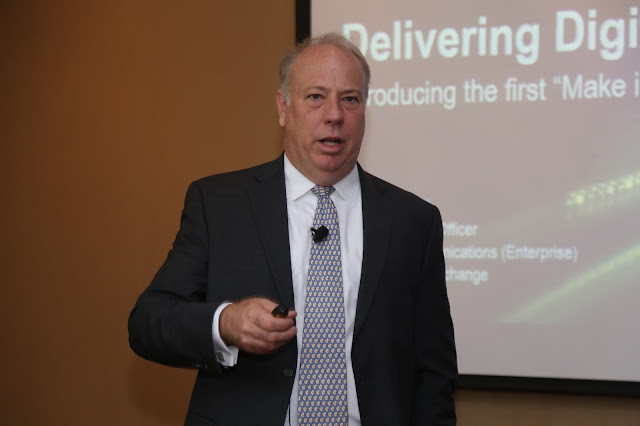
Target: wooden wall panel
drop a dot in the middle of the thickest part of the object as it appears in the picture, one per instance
(109, 110)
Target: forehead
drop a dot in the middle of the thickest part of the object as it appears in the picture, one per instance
(328, 63)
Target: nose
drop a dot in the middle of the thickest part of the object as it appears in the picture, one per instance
(333, 114)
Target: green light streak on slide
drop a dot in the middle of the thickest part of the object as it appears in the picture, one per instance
(568, 289)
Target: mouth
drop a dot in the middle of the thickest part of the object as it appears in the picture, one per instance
(331, 141)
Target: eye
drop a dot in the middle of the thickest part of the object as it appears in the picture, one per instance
(351, 99)
(315, 96)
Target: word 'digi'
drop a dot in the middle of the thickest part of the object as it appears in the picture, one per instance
(609, 35)
(479, 40)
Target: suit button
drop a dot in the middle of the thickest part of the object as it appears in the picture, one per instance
(288, 372)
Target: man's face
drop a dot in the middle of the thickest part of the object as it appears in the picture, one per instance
(324, 122)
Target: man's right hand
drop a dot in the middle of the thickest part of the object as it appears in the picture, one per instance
(250, 326)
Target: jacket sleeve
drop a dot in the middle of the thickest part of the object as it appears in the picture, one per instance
(171, 322)
(435, 357)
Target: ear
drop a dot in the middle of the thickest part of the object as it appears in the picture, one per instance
(282, 108)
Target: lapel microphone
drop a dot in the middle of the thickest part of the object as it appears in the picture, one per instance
(319, 234)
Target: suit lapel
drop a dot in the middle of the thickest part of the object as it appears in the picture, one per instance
(376, 223)
(269, 206)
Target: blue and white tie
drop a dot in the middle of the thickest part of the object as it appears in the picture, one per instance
(322, 387)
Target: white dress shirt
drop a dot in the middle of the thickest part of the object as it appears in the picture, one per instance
(301, 206)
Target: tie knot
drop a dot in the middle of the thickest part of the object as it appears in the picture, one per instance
(323, 191)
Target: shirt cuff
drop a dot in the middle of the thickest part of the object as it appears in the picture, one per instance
(226, 355)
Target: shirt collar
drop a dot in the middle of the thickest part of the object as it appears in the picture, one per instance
(297, 184)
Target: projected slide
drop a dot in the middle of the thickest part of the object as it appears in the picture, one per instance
(521, 122)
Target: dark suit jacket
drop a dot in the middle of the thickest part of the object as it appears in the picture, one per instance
(233, 243)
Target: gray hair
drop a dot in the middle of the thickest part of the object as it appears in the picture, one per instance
(333, 39)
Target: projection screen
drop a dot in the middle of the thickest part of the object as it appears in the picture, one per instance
(521, 122)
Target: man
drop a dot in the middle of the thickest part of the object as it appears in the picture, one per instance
(252, 240)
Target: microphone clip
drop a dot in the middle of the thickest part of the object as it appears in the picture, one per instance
(319, 234)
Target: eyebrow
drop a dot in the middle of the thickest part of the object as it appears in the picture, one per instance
(324, 89)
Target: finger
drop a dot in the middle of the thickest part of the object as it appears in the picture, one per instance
(269, 343)
(271, 330)
(275, 330)
(274, 340)
(254, 336)
(277, 324)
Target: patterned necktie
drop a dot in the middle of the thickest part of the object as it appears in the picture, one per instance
(322, 388)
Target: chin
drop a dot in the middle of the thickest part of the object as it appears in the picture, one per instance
(330, 167)
(331, 175)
